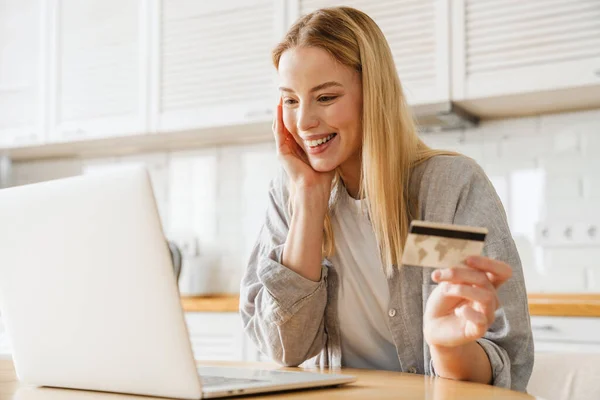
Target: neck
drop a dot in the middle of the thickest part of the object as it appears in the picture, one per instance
(350, 175)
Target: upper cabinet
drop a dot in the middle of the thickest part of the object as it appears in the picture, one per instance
(98, 71)
(200, 72)
(212, 64)
(514, 47)
(418, 34)
(22, 52)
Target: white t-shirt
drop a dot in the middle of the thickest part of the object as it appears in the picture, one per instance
(363, 291)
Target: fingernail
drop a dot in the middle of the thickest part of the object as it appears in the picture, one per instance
(436, 275)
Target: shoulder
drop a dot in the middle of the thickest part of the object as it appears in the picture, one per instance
(278, 195)
(455, 189)
(280, 184)
(447, 176)
(459, 167)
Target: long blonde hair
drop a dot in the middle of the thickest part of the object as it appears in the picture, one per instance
(390, 146)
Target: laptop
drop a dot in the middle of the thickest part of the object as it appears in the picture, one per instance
(90, 301)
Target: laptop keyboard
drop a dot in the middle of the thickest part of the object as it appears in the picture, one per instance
(208, 380)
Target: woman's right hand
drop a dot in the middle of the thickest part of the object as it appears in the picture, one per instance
(296, 164)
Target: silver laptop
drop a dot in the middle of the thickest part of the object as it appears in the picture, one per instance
(89, 299)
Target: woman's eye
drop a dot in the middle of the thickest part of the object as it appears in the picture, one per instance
(325, 99)
(289, 101)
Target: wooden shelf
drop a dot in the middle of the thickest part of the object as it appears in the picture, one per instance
(540, 304)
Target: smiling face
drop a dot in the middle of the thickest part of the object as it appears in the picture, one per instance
(322, 106)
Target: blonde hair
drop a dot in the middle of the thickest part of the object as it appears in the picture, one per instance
(390, 146)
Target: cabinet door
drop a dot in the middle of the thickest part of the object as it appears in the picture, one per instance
(566, 334)
(212, 65)
(514, 47)
(253, 354)
(99, 64)
(417, 33)
(216, 336)
(22, 51)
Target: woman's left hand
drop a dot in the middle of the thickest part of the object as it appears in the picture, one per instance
(462, 307)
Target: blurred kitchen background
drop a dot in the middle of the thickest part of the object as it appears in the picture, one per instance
(187, 88)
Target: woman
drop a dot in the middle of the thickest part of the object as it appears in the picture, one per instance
(324, 284)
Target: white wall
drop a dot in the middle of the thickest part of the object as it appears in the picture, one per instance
(546, 170)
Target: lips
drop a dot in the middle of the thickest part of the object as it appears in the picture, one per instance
(318, 146)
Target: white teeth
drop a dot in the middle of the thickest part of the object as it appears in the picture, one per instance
(314, 143)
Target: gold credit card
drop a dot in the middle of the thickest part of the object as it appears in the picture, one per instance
(434, 245)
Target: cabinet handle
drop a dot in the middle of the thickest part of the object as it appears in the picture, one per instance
(28, 137)
(545, 328)
(73, 133)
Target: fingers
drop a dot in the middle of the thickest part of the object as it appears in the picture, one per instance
(476, 323)
(462, 275)
(498, 271)
(298, 151)
(278, 127)
(485, 300)
(285, 142)
(472, 293)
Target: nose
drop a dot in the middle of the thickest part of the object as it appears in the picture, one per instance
(306, 119)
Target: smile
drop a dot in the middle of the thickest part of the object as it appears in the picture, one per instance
(319, 142)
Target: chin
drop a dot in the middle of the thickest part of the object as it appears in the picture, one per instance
(322, 165)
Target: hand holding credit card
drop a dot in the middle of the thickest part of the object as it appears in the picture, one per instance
(434, 245)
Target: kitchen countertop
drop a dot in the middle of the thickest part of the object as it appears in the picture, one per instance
(540, 304)
(213, 303)
(568, 304)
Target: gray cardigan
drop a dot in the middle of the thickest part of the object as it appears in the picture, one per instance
(293, 320)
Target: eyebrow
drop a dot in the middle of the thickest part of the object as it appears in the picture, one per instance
(316, 88)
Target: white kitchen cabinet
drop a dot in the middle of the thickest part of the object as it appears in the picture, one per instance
(98, 68)
(566, 334)
(417, 32)
(503, 48)
(211, 63)
(23, 29)
(216, 336)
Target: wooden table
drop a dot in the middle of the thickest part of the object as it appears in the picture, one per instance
(370, 385)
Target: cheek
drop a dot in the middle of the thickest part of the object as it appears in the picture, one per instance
(289, 121)
(345, 118)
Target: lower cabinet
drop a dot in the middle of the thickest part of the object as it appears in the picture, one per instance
(220, 337)
(214, 336)
(566, 334)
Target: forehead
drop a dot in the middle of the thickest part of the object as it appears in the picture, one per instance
(310, 66)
